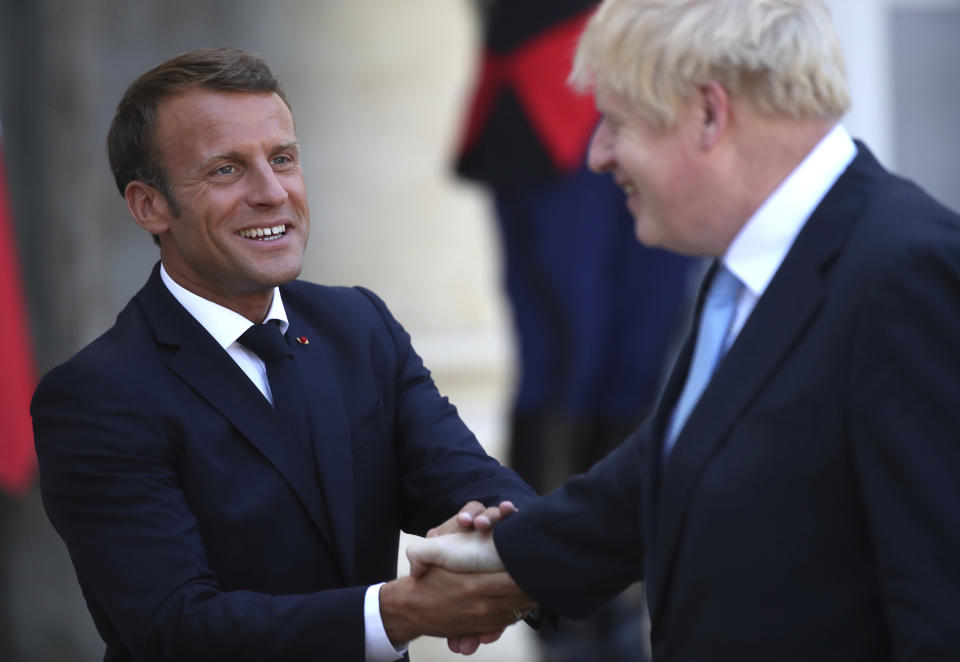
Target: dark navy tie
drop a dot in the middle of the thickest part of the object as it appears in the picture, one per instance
(288, 398)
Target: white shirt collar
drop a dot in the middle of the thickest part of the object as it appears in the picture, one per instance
(763, 242)
(222, 323)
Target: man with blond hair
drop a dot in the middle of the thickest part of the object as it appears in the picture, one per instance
(794, 496)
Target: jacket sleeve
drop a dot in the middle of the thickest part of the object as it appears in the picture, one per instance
(582, 544)
(440, 462)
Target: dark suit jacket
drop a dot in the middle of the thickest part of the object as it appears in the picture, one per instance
(810, 509)
(197, 528)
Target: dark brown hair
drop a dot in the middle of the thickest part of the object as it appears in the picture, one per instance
(130, 148)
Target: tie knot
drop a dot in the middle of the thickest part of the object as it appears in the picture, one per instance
(725, 288)
(266, 341)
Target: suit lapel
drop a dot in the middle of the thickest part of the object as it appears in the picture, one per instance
(206, 368)
(781, 317)
(330, 431)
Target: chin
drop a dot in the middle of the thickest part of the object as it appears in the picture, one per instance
(641, 232)
(281, 275)
(288, 276)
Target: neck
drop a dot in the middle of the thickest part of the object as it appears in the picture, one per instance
(252, 305)
(764, 151)
(775, 149)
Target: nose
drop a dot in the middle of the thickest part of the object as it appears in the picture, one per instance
(600, 154)
(266, 188)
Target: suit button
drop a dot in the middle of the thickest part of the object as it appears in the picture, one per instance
(660, 651)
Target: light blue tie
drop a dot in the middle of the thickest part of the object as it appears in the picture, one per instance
(715, 320)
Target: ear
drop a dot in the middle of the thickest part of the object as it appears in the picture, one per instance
(148, 207)
(715, 113)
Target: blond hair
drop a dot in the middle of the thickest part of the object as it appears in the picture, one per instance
(782, 55)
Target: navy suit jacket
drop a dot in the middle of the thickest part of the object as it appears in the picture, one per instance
(198, 529)
(810, 509)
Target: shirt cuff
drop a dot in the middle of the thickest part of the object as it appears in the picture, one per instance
(378, 646)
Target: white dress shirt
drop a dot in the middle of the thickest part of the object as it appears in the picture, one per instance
(758, 250)
(226, 326)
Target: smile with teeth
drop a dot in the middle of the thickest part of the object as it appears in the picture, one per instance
(264, 234)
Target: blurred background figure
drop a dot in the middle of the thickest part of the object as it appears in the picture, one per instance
(594, 312)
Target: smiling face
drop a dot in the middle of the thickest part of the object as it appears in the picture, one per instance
(659, 171)
(233, 164)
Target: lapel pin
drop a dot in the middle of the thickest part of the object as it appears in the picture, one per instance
(303, 340)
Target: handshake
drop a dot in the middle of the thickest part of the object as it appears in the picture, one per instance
(458, 587)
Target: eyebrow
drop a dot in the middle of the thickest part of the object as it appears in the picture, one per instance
(292, 144)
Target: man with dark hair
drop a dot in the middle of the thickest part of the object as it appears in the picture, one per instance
(230, 465)
(130, 142)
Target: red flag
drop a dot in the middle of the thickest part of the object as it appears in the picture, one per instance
(17, 457)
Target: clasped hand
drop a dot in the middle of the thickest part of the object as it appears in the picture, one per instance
(464, 544)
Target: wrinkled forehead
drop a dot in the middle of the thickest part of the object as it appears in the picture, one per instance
(199, 105)
(199, 122)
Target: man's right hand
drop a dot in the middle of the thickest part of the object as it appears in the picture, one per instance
(472, 552)
(441, 603)
(472, 518)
